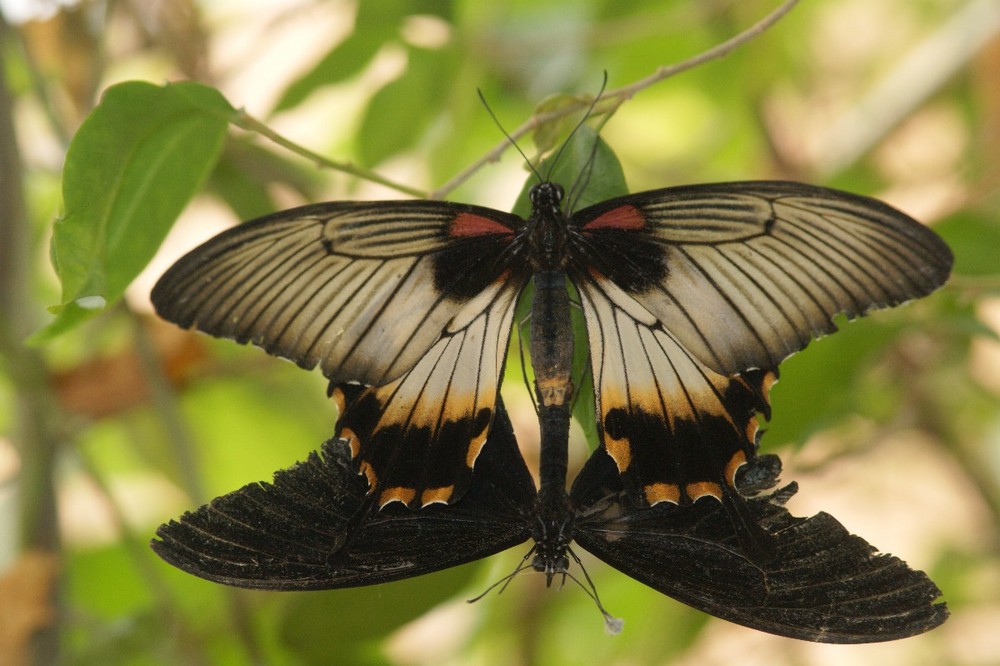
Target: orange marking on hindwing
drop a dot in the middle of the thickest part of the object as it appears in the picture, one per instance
(620, 451)
(475, 446)
(662, 492)
(703, 488)
(366, 469)
(738, 460)
(769, 380)
(351, 438)
(339, 399)
(436, 495)
(397, 494)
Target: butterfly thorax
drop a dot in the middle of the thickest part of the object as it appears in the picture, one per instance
(546, 231)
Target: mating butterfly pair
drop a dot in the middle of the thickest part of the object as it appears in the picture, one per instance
(691, 297)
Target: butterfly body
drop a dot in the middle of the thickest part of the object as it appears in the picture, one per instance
(551, 351)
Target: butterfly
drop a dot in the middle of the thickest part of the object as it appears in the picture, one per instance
(691, 297)
(317, 527)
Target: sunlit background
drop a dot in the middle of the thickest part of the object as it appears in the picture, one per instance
(891, 425)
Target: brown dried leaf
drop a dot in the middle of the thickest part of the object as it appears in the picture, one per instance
(26, 592)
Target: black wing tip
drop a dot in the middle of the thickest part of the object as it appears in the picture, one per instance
(248, 538)
(211, 556)
(250, 574)
(880, 630)
(815, 581)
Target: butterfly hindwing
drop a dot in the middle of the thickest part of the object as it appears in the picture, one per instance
(677, 429)
(315, 526)
(818, 582)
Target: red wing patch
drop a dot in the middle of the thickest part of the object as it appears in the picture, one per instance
(625, 217)
(467, 225)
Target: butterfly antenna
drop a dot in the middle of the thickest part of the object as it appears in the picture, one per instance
(576, 191)
(579, 124)
(613, 625)
(496, 120)
(505, 581)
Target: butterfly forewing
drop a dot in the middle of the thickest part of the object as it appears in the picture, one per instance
(363, 290)
(744, 274)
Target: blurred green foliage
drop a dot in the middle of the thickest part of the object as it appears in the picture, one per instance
(148, 422)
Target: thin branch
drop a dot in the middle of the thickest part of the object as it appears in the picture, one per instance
(245, 121)
(612, 99)
(720, 51)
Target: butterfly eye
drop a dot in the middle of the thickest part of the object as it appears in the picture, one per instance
(550, 563)
(546, 195)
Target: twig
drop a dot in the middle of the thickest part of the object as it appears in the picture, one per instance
(720, 51)
(245, 121)
(612, 99)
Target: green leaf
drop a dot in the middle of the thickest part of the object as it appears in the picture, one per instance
(134, 164)
(585, 162)
(376, 24)
(344, 626)
(824, 384)
(398, 115)
(974, 238)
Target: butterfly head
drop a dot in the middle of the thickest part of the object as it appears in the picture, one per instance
(546, 196)
(552, 535)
